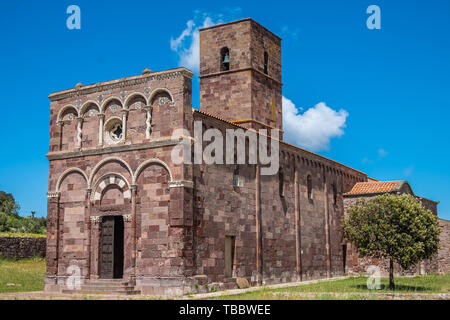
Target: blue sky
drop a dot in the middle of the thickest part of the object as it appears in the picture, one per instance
(392, 85)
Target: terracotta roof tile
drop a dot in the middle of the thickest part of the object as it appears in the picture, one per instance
(375, 187)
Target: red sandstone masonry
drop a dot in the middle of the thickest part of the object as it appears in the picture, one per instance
(176, 217)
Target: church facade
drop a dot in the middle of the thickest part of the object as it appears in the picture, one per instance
(122, 214)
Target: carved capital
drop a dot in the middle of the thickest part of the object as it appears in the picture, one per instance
(127, 218)
(181, 183)
(60, 123)
(95, 219)
(101, 116)
(52, 194)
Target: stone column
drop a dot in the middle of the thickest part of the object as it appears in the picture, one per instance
(181, 213)
(52, 233)
(327, 228)
(101, 118)
(148, 121)
(133, 188)
(124, 123)
(298, 242)
(60, 124)
(258, 223)
(89, 236)
(79, 126)
(95, 232)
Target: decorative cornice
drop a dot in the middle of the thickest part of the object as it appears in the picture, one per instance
(181, 183)
(240, 70)
(121, 83)
(112, 149)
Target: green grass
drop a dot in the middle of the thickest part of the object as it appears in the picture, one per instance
(426, 284)
(22, 235)
(351, 288)
(25, 274)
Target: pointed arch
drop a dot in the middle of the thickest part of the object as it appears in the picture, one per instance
(146, 163)
(66, 173)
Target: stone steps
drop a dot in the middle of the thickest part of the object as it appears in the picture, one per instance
(105, 286)
(117, 292)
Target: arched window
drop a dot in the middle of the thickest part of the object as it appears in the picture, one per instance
(224, 59)
(236, 182)
(266, 61)
(281, 181)
(334, 194)
(309, 186)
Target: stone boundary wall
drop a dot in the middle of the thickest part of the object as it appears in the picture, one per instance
(22, 247)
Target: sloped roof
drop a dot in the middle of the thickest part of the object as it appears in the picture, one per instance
(376, 187)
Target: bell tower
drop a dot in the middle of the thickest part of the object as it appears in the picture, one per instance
(240, 74)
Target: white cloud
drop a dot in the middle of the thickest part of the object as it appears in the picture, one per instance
(287, 31)
(187, 44)
(408, 171)
(382, 153)
(315, 127)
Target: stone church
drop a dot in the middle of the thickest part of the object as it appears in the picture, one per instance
(123, 217)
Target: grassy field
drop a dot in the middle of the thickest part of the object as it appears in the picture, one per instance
(28, 275)
(22, 275)
(352, 288)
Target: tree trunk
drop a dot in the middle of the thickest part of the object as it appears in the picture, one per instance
(391, 275)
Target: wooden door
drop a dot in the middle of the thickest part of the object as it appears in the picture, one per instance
(107, 248)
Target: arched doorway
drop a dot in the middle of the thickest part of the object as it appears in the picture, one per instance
(111, 247)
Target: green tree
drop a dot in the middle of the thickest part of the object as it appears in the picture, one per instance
(394, 227)
(8, 204)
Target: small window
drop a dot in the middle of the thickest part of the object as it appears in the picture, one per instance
(236, 180)
(281, 181)
(334, 194)
(266, 61)
(224, 59)
(309, 186)
(230, 243)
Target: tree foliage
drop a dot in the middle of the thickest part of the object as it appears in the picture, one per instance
(396, 227)
(10, 221)
(8, 204)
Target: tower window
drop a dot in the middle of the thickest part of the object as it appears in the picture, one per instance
(224, 59)
(309, 186)
(266, 61)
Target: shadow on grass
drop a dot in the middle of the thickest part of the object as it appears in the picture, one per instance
(398, 288)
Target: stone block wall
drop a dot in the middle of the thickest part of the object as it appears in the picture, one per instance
(22, 247)
(443, 257)
(295, 231)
